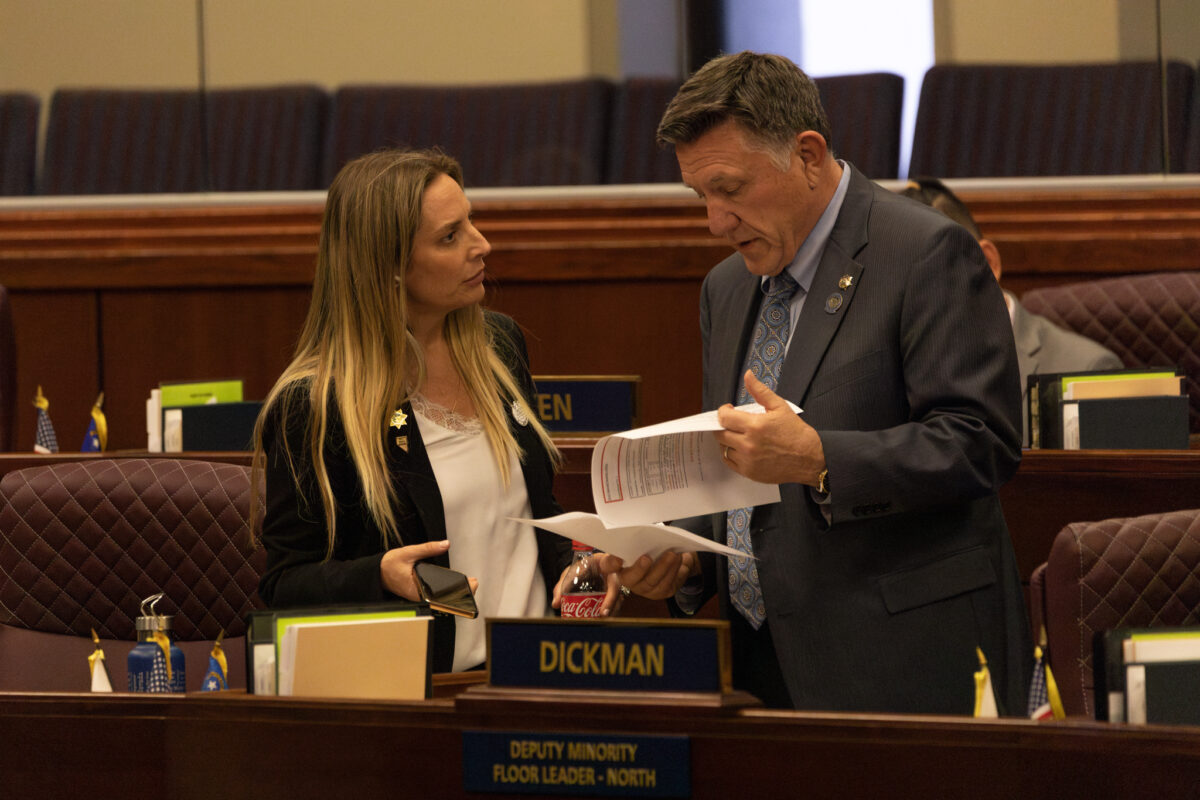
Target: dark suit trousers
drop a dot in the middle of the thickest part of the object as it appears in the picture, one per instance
(755, 665)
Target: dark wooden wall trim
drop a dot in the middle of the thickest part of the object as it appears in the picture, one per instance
(121, 298)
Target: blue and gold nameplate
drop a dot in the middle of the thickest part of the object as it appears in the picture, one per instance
(576, 764)
(611, 654)
(587, 404)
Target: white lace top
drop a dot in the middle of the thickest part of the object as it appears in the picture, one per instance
(484, 543)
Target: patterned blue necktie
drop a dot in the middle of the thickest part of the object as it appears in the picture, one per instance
(764, 359)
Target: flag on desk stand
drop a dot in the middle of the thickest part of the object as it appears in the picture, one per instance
(100, 682)
(45, 441)
(1044, 700)
(218, 668)
(985, 696)
(96, 438)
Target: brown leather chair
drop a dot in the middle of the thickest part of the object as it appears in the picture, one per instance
(83, 543)
(1135, 572)
(1148, 320)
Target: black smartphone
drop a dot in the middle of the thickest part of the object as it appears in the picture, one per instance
(445, 590)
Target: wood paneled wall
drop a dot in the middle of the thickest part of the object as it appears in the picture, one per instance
(121, 298)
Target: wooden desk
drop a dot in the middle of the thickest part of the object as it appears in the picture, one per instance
(206, 746)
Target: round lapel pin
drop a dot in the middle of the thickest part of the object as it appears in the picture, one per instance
(833, 303)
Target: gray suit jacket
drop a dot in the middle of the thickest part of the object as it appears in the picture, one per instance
(1043, 347)
(910, 377)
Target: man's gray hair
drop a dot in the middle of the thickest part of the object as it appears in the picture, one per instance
(768, 95)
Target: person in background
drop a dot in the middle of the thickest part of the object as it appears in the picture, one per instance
(887, 561)
(402, 430)
(1042, 346)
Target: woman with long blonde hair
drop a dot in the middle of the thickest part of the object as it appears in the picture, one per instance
(402, 430)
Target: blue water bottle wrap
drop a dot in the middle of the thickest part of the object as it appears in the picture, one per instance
(156, 664)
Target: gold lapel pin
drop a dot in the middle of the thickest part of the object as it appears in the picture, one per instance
(399, 418)
(846, 282)
(402, 443)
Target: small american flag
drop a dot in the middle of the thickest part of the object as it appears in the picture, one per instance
(1044, 700)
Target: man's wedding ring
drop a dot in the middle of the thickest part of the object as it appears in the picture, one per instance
(725, 455)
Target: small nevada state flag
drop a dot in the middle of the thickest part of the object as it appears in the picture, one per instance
(100, 682)
(985, 696)
(218, 668)
(96, 438)
(45, 442)
(1044, 700)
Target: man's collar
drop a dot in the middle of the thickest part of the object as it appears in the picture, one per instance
(804, 264)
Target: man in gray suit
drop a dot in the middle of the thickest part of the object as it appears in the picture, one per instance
(887, 561)
(1042, 346)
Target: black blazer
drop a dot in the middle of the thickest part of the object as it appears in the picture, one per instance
(903, 361)
(297, 573)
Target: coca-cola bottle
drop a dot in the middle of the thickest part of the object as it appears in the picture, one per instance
(584, 589)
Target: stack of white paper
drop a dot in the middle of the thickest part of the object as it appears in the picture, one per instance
(667, 471)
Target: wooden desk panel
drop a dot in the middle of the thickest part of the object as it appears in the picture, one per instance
(118, 299)
(1055, 487)
(201, 746)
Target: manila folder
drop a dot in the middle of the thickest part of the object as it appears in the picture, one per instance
(386, 659)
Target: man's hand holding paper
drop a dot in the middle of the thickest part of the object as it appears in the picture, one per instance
(775, 446)
(667, 471)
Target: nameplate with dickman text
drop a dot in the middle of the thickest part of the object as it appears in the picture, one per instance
(610, 654)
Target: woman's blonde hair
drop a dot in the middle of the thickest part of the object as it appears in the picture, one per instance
(355, 351)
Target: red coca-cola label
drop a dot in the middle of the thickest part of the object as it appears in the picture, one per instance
(583, 604)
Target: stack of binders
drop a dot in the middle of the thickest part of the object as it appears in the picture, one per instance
(1138, 409)
(1148, 675)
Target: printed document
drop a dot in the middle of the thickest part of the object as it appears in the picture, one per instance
(667, 471)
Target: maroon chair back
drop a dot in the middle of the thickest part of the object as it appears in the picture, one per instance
(83, 543)
(18, 142)
(1008, 120)
(536, 134)
(1136, 572)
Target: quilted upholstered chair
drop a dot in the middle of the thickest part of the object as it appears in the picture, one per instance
(538, 134)
(1137, 572)
(1147, 320)
(1004, 120)
(115, 141)
(82, 543)
(18, 142)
